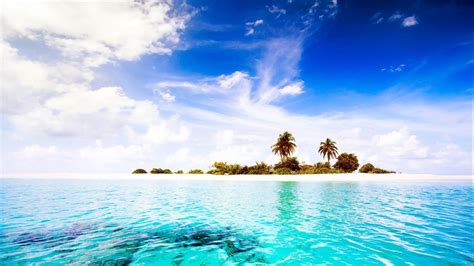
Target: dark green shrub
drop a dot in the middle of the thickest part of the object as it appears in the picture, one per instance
(367, 168)
(234, 169)
(244, 170)
(218, 168)
(317, 170)
(283, 171)
(259, 169)
(160, 171)
(305, 167)
(222, 168)
(195, 171)
(139, 171)
(179, 172)
(347, 162)
(381, 171)
(371, 169)
(290, 163)
(323, 165)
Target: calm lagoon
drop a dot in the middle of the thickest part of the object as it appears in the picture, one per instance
(138, 222)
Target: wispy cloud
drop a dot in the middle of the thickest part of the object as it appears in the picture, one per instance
(409, 21)
(397, 16)
(377, 18)
(395, 68)
(251, 26)
(276, 10)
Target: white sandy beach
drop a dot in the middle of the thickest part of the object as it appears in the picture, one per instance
(191, 177)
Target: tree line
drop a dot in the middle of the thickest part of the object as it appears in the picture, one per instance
(284, 147)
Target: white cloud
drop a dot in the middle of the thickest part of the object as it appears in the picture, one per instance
(250, 31)
(276, 10)
(389, 135)
(97, 32)
(57, 98)
(84, 159)
(395, 16)
(167, 97)
(251, 26)
(109, 99)
(393, 69)
(224, 137)
(400, 144)
(258, 22)
(162, 133)
(292, 89)
(105, 112)
(37, 152)
(176, 84)
(229, 81)
(21, 94)
(409, 21)
(181, 156)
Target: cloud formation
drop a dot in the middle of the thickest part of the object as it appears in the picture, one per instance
(393, 69)
(251, 26)
(97, 32)
(57, 99)
(397, 16)
(276, 10)
(409, 21)
(59, 119)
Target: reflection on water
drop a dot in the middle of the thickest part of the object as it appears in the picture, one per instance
(208, 223)
(287, 208)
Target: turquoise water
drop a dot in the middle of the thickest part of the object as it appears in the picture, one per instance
(213, 223)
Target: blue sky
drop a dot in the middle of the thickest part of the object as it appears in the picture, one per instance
(183, 84)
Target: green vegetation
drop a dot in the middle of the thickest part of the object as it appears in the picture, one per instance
(139, 171)
(196, 171)
(284, 147)
(283, 171)
(291, 164)
(367, 168)
(259, 169)
(222, 168)
(382, 171)
(371, 169)
(319, 168)
(328, 149)
(347, 162)
(160, 171)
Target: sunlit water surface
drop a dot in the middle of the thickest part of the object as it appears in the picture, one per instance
(212, 223)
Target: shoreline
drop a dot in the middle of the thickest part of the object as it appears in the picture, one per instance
(208, 177)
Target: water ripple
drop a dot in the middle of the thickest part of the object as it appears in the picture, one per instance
(207, 223)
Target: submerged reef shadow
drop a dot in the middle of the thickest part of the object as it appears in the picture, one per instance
(238, 247)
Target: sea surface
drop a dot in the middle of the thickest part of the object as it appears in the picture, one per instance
(121, 222)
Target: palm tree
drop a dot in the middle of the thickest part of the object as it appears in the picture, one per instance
(285, 145)
(328, 149)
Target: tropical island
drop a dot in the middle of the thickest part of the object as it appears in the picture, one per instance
(284, 147)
